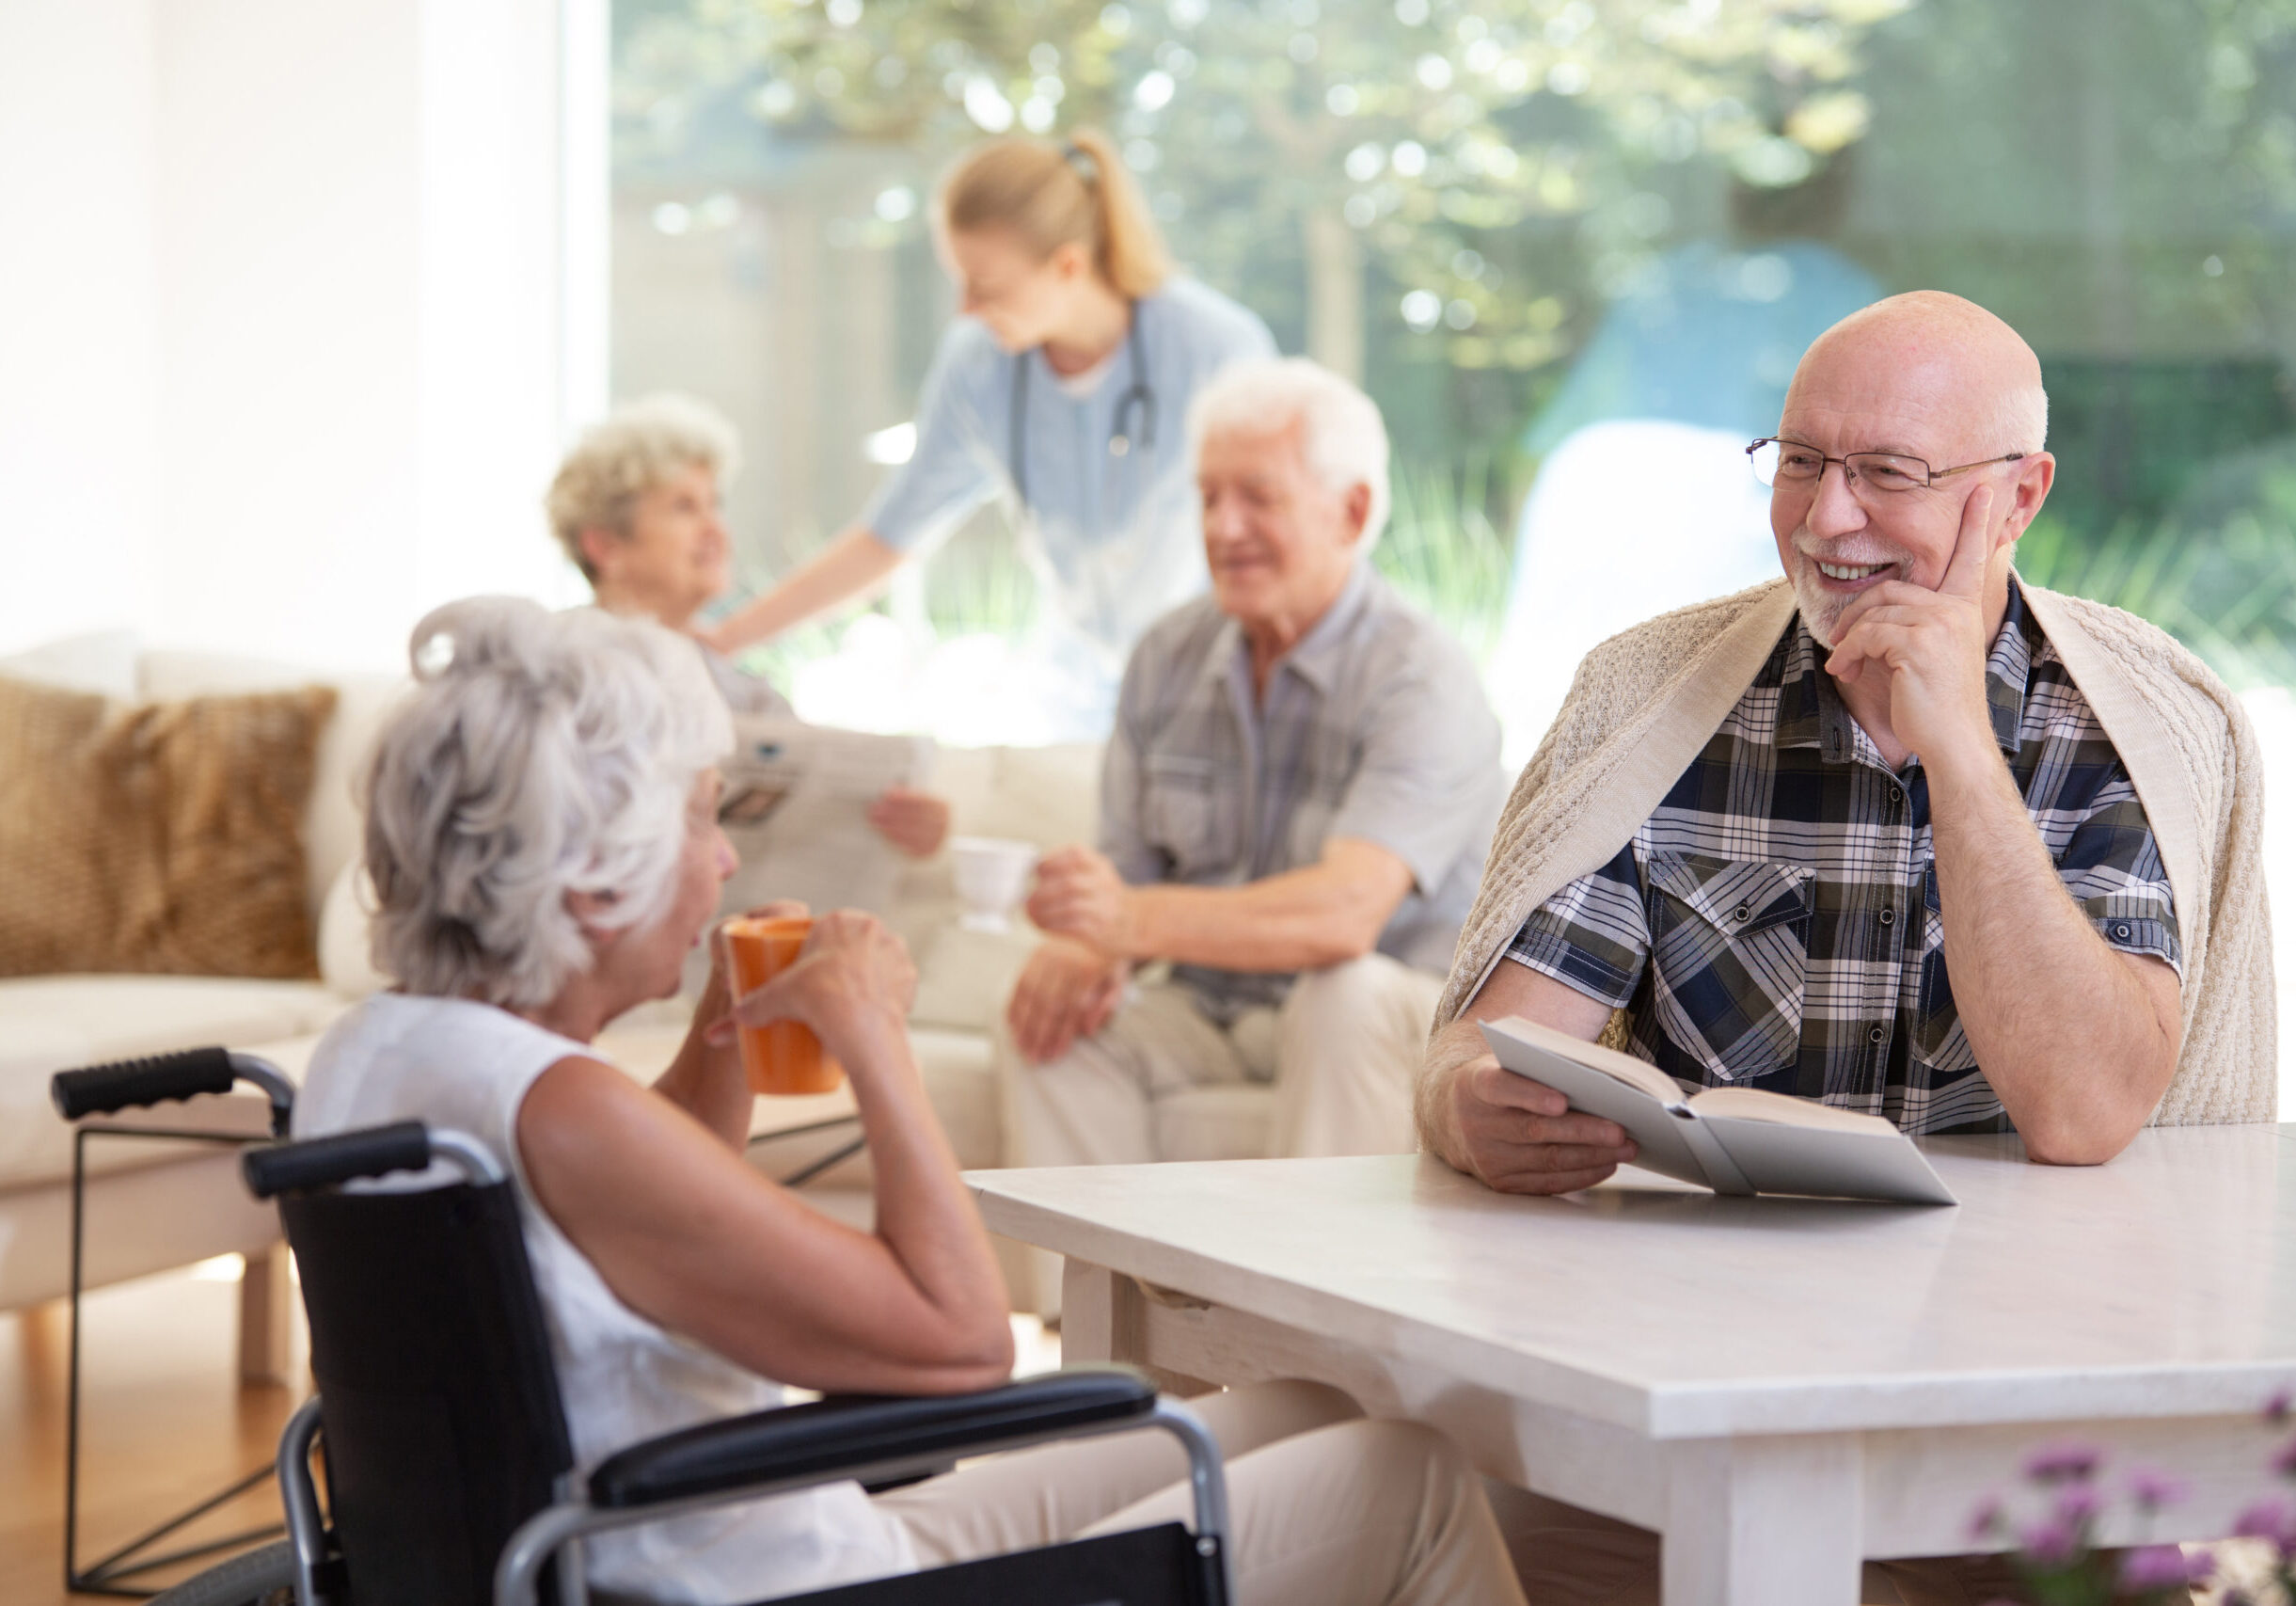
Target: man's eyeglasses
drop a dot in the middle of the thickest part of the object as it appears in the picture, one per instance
(1791, 463)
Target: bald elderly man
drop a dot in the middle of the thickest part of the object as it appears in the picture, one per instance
(1898, 832)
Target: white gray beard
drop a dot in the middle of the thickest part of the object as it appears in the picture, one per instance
(1818, 610)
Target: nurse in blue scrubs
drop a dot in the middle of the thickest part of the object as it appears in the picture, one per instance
(1065, 387)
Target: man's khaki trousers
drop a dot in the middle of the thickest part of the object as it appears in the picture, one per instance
(1340, 1054)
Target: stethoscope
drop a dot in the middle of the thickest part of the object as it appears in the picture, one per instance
(1138, 404)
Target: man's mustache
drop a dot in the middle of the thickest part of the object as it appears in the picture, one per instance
(1831, 552)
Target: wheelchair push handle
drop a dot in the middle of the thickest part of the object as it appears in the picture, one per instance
(324, 1162)
(127, 1084)
(370, 1151)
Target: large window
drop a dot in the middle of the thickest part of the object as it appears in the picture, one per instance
(1572, 248)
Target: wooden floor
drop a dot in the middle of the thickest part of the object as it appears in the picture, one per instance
(165, 1424)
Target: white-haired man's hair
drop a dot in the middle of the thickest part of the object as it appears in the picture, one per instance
(1343, 438)
(628, 454)
(539, 754)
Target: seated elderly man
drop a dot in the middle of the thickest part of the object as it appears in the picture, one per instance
(1899, 832)
(635, 506)
(1294, 806)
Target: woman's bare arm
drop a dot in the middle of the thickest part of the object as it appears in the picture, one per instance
(686, 1233)
(853, 565)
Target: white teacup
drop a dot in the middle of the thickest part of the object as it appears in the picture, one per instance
(992, 874)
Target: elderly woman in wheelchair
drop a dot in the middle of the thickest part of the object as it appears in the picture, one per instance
(543, 841)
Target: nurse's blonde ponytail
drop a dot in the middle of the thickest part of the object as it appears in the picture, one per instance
(1050, 194)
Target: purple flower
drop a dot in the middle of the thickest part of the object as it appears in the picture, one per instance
(2078, 1505)
(2063, 1463)
(2051, 1543)
(1987, 1519)
(2268, 1519)
(2160, 1566)
(2277, 1408)
(2153, 1489)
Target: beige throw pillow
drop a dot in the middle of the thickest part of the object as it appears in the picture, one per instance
(161, 837)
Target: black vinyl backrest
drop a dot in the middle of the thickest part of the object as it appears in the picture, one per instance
(438, 1401)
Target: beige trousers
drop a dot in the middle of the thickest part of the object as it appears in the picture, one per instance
(1327, 1509)
(1569, 1557)
(1341, 1053)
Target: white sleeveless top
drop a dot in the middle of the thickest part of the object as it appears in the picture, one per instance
(452, 1062)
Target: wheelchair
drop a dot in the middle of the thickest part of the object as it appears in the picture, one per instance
(442, 1439)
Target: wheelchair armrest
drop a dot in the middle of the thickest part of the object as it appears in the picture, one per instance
(850, 1433)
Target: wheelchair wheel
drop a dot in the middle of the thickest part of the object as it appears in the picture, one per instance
(265, 1576)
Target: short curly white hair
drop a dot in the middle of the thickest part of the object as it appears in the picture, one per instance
(1345, 439)
(628, 453)
(539, 754)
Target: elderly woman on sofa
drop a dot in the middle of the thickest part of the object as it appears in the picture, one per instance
(543, 840)
(636, 506)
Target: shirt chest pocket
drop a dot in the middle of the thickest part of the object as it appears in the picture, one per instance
(1729, 948)
(1193, 814)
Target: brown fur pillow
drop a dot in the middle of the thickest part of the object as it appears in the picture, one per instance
(164, 837)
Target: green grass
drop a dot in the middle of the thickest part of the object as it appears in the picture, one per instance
(1442, 552)
(2228, 591)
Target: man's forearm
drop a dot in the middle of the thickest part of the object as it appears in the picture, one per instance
(2062, 1026)
(1449, 1051)
(1303, 919)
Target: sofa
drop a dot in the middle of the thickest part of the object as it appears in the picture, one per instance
(154, 1205)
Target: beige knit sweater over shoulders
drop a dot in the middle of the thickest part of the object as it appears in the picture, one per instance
(1645, 702)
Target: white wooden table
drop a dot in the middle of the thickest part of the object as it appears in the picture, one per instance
(1781, 1387)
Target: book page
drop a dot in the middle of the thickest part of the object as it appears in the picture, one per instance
(1779, 1110)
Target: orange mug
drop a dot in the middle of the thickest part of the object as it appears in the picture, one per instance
(784, 1057)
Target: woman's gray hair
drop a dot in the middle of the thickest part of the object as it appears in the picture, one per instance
(628, 453)
(1345, 439)
(539, 754)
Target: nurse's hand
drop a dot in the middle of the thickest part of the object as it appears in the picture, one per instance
(1080, 895)
(915, 822)
(1065, 990)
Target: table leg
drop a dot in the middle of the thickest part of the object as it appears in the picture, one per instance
(267, 1318)
(1772, 1521)
(1104, 1317)
(1090, 1321)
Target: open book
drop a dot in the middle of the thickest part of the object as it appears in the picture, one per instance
(1731, 1139)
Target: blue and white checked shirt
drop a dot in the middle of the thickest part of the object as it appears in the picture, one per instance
(1774, 924)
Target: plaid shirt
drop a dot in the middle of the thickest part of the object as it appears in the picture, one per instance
(1774, 924)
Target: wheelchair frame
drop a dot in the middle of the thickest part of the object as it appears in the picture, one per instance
(737, 1458)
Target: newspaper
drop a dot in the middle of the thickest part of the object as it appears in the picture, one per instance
(795, 808)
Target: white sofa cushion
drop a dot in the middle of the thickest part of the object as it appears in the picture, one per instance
(102, 661)
(346, 958)
(59, 1023)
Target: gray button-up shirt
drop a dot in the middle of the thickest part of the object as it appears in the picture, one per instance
(1374, 727)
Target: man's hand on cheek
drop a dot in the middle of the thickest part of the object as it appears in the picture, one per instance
(1930, 645)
